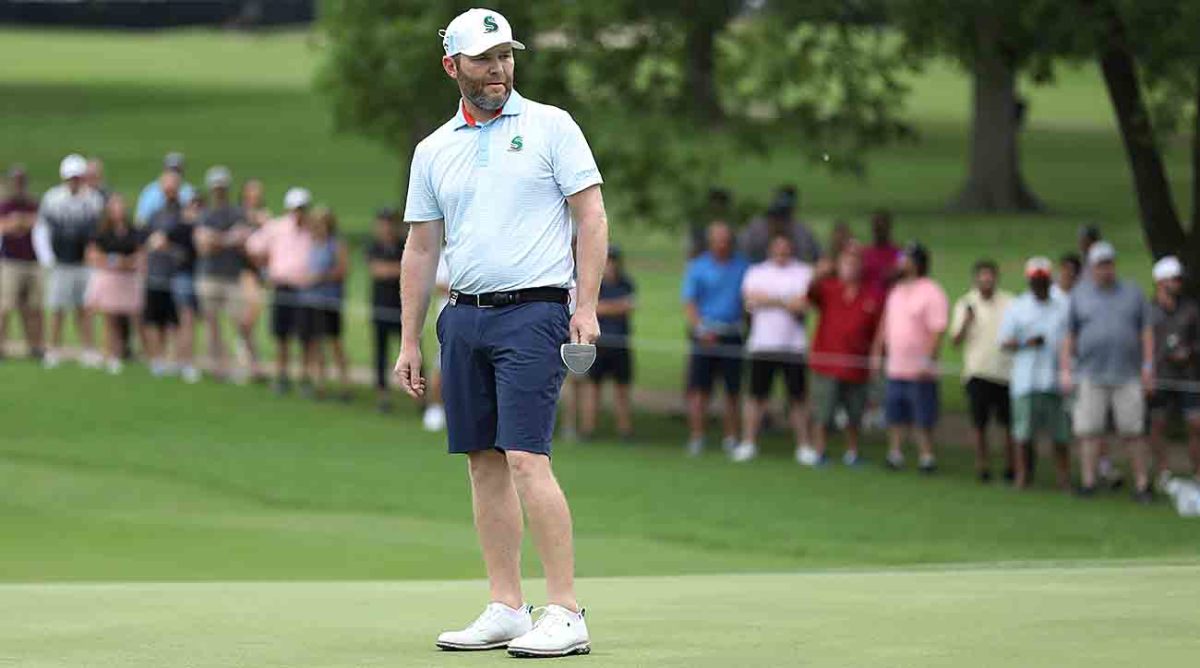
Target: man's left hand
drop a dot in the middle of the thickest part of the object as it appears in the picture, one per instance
(585, 328)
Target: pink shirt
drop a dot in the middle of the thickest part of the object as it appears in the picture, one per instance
(286, 247)
(774, 328)
(914, 317)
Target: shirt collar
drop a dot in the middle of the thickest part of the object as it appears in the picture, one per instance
(512, 107)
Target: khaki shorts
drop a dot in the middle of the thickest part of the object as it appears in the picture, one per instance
(220, 295)
(1093, 400)
(20, 285)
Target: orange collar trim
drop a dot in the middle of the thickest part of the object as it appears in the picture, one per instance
(471, 119)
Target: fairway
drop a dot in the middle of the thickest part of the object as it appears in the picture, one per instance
(1088, 616)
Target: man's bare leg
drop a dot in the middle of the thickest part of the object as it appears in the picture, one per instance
(1140, 459)
(498, 523)
(623, 407)
(895, 441)
(752, 419)
(697, 403)
(83, 324)
(798, 414)
(925, 441)
(731, 415)
(549, 521)
(589, 399)
(1158, 443)
(1089, 456)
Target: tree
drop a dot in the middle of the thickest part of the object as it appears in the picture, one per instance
(996, 40)
(1150, 61)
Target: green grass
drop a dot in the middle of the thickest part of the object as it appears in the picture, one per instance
(1082, 616)
(137, 479)
(246, 101)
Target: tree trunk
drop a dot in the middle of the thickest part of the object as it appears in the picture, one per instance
(994, 181)
(701, 73)
(1160, 220)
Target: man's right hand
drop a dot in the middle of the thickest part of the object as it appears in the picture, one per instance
(408, 370)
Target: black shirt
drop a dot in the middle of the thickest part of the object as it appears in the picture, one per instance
(114, 243)
(616, 327)
(385, 294)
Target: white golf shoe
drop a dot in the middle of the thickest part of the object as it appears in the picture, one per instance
(558, 632)
(493, 629)
(744, 452)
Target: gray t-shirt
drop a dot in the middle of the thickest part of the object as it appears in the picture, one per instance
(1176, 337)
(1107, 324)
(226, 263)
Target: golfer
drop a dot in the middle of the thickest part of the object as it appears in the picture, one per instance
(502, 181)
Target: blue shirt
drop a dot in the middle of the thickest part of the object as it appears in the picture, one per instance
(614, 329)
(321, 260)
(715, 288)
(1107, 323)
(152, 199)
(501, 186)
(1034, 369)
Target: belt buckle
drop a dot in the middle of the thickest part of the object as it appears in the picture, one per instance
(454, 297)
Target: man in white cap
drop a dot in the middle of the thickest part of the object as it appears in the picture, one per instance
(1032, 330)
(283, 246)
(1176, 321)
(1109, 353)
(67, 218)
(504, 178)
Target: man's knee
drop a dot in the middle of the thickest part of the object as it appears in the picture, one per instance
(486, 465)
(527, 466)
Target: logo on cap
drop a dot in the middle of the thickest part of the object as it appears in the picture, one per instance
(516, 144)
(489, 24)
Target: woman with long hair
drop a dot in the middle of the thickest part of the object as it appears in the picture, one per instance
(115, 289)
(257, 214)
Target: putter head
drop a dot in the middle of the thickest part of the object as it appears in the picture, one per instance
(578, 357)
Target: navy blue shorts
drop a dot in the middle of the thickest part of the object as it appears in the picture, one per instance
(501, 375)
(707, 363)
(911, 402)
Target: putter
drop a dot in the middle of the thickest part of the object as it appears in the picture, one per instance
(578, 357)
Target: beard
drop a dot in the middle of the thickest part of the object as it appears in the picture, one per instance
(476, 92)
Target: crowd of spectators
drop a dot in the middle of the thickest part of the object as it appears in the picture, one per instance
(1081, 354)
(1073, 358)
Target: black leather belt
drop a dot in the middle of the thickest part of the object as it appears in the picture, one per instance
(494, 299)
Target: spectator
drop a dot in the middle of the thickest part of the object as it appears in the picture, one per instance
(67, 219)
(775, 294)
(94, 178)
(256, 214)
(712, 296)
(780, 219)
(20, 275)
(283, 247)
(115, 287)
(914, 320)
(718, 207)
(1176, 322)
(839, 238)
(881, 260)
(614, 357)
(152, 197)
(170, 288)
(975, 326)
(324, 295)
(219, 238)
(383, 262)
(253, 204)
(1069, 268)
(1109, 339)
(1033, 329)
(1088, 235)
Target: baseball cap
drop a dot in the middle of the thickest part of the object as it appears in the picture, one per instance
(73, 166)
(296, 198)
(475, 31)
(1167, 268)
(173, 160)
(218, 176)
(1101, 251)
(1038, 267)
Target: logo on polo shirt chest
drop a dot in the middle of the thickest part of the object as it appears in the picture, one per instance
(489, 24)
(516, 144)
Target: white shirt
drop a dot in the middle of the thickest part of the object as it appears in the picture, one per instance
(774, 328)
(501, 188)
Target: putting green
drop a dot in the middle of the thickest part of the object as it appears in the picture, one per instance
(1112, 615)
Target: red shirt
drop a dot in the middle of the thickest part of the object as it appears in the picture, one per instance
(842, 345)
(878, 266)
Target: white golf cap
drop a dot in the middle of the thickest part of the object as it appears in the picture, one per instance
(297, 198)
(218, 176)
(475, 31)
(1038, 266)
(1167, 268)
(73, 166)
(1101, 251)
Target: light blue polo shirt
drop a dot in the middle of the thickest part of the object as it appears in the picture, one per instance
(1034, 369)
(501, 188)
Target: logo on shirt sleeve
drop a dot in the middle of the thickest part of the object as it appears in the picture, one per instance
(489, 24)
(516, 144)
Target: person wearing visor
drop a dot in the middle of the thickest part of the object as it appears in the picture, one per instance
(1032, 331)
(502, 181)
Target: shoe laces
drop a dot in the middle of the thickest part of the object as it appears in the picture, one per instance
(551, 613)
(489, 614)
